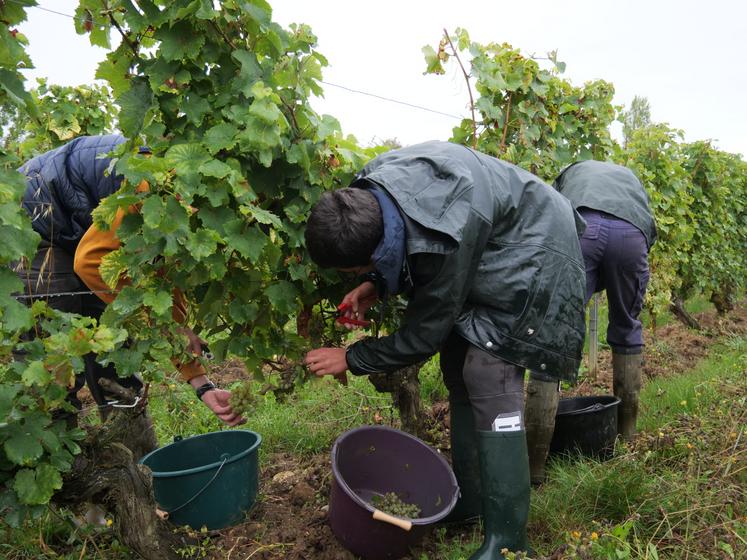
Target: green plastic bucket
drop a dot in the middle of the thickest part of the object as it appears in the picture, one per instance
(208, 480)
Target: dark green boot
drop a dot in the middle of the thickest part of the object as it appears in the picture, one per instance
(539, 419)
(504, 468)
(626, 385)
(465, 462)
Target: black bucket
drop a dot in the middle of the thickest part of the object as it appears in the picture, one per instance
(586, 425)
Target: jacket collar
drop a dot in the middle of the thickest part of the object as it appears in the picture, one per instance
(389, 256)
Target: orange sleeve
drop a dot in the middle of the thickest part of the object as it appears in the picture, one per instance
(93, 247)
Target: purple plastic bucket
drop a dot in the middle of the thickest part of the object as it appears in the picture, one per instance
(374, 460)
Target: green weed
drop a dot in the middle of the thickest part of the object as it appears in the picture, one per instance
(432, 386)
(57, 536)
(310, 419)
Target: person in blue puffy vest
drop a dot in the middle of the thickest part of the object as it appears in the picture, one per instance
(63, 187)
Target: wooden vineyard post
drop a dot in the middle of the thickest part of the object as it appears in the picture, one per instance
(593, 337)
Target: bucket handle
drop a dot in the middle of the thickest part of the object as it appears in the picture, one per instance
(201, 490)
(591, 408)
(403, 524)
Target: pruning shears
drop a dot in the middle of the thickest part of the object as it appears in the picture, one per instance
(206, 353)
(343, 319)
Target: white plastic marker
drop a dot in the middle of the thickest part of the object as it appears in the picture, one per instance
(510, 422)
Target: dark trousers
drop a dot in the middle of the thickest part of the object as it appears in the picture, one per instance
(616, 258)
(51, 272)
(493, 387)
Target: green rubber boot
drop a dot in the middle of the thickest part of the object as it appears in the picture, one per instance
(465, 462)
(539, 419)
(504, 468)
(626, 385)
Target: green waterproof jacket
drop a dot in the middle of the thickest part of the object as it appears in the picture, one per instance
(492, 252)
(610, 188)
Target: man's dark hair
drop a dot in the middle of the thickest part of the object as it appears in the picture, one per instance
(344, 228)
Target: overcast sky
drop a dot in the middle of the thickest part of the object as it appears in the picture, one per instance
(686, 56)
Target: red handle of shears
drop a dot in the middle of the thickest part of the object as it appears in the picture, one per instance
(344, 320)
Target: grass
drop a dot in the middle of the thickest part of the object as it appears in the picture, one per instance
(56, 536)
(677, 493)
(454, 544)
(432, 386)
(695, 391)
(321, 410)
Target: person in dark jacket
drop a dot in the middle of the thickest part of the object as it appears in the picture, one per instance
(64, 186)
(620, 231)
(488, 256)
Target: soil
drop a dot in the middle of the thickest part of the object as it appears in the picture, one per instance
(670, 350)
(290, 520)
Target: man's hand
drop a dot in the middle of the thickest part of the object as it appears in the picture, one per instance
(359, 300)
(328, 361)
(217, 401)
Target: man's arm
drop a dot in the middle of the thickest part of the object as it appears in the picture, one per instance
(93, 247)
(437, 299)
(442, 283)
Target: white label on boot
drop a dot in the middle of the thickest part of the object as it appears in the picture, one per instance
(510, 422)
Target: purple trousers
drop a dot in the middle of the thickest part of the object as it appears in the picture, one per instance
(616, 258)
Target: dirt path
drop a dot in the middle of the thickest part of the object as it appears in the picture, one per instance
(669, 350)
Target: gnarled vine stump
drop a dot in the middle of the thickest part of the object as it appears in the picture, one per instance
(724, 300)
(107, 473)
(678, 310)
(404, 385)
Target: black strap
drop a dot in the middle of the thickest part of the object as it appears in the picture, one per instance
(202, 389)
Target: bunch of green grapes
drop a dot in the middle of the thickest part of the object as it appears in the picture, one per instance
(392, 504)
(242, 399)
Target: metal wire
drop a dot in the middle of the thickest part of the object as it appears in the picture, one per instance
(391, 100)
(115, 404)
(43, 9)
(63, 294)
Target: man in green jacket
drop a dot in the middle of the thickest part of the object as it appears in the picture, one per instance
(620, 230)
(489, 259)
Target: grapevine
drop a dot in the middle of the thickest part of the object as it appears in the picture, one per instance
(527, 114)
(531, 116)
